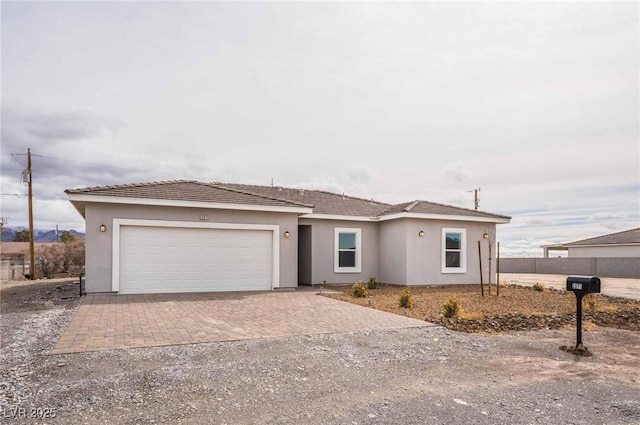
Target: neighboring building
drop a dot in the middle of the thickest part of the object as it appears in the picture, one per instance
(188, 236)
(14, 259)
(621, 244)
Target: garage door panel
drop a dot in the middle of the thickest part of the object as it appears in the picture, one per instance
(163, 259)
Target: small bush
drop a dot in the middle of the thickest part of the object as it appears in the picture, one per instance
(373, 283)
(359, 290)
(538, 287)
(452, 308)
(589, 301)
(406, 299)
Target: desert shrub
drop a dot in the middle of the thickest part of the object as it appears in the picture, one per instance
(49, 259)
(359, 290)
(406, 299)
(73, 255)
(452, 308)
(373, 283)
(589, 301)
(538, 287)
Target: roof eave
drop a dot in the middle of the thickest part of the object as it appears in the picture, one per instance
(573, 245)
(81, 199)
(449, 217)
(338, 217)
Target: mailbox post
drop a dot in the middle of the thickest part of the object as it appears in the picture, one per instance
(581, 286)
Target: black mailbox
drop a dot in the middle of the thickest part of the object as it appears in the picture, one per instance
(583, 284)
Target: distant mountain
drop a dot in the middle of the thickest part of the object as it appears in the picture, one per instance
(39, 235)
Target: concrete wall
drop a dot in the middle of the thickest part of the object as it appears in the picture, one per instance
(323, 250)
(604, 251)
(99, 245)
(623, 267)
(519, 265)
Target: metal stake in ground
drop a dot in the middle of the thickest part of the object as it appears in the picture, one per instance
(581, 286)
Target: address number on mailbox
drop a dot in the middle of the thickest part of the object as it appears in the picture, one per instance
(583, 284)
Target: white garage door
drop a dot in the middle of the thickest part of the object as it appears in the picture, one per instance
(170, 259)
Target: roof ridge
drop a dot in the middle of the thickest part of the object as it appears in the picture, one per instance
(219, 185)
(392, 206)
(126, 185)
(310, 190)
(409, 207)
(463, 208)
(349, 196)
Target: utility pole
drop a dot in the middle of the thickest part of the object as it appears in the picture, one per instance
(32, 255)
(3, 222)
(476, 198)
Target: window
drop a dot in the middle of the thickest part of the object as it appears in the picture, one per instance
(454, 251)
(347, 250)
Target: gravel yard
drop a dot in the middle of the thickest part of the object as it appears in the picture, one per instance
(410, 376)
(516, 308)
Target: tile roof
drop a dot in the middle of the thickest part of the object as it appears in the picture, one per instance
(426, 207)
(187, 190)
(627, 237)
(321, 201)
(9, 249)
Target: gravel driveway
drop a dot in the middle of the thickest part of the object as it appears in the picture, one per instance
(399, 376)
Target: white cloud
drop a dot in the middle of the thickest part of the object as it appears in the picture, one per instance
(537, 103)
(607, 215)
(455, 174)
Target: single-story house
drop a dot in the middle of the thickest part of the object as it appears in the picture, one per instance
(620, 244)
(189, 236)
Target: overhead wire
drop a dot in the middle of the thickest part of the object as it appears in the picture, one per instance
(95, 164)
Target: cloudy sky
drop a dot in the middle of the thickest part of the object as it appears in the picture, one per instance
(535, 103)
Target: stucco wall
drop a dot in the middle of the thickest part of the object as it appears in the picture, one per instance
(604, 251)
(424, 254)
(99, 245)
(408, 259)
(393, 252)
(323, 249)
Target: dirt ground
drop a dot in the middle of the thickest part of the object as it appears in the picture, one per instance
(516, 308)
(403, 376)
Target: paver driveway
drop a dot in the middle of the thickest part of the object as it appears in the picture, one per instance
(105, 322)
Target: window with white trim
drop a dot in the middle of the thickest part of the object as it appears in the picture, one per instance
(348, 250)
(454, 250)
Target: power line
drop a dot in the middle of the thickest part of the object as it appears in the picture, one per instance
(95, 164)
(13, 156)
(91, 163)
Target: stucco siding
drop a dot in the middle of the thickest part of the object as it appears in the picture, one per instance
(406, 258)
(424, 255)
(323, 251)
(604, 251)
(99, 245)
(393, 252)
